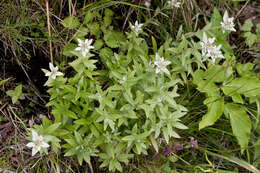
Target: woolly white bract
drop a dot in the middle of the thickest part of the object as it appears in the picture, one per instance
(37, 143)
(136, 27)
(161, 64)
(227, 24)
(54, 72)
(84, 46)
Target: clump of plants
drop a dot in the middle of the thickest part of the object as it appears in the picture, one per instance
(122, 97)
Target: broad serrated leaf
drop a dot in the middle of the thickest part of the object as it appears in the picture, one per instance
(94, 28)
(68, 48)
(15, 94)
(113, 39)
(240, 123)
(250, 38)
(88, 17)
(247, 26)
(98, 44)
(70, 22)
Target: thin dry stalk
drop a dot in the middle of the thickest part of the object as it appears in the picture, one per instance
(49, 29)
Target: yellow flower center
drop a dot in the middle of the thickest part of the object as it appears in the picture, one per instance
(161, 65)
(37, 142)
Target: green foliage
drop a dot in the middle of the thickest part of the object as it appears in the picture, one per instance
(250, 38)
(4, 81)
(70, 22)
(135, 109)
(116, 104)
(240, 122)
(15, 94)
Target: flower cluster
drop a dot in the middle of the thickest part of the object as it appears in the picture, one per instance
(84, 46)
(161, 64)
(227, 24)
(137, 28)
(37, 143)
(174, 3)
(54, 72)
(209, 49)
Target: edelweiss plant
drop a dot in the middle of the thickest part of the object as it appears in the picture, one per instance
(174, 3)
(161, 64)
(227, 24)
(124, 104)
(137, 28)
(209, 49)
(53, 73)
(38, 142)
(84, 46)
(129, 115)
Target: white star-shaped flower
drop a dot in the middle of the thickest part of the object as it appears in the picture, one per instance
(207, 44)
(54, 71)
(216, 53)
(174, 3)
(37, 143)
(209, 49)
(227, 24)
(84, 46)
(161, 64)
(136, 27)
(147, 3)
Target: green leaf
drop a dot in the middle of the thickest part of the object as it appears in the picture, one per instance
(82, 31)
(98, 44)
(240, 122)
(154, 143)
(257, 150)
(52, 128)
(78, 137)
(71, 114)
(216, 73)
(68, 48)
(128, 138)
(4, 81)
(215, 110)
(154, 45)
(216, 18)
(244, 69)
(247, 26)
(107, 20)
(109, 12)
(89, 16)
(113, 39)
(71, 152)
(250, 38)
(94, 28)
(82, 122)
(246, 85)
(179, 125)
(70, 22)
(15, 94)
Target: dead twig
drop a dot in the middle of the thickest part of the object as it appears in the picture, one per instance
(49, 29)
(240, 11)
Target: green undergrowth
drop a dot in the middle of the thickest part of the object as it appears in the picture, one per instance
(135, 87)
